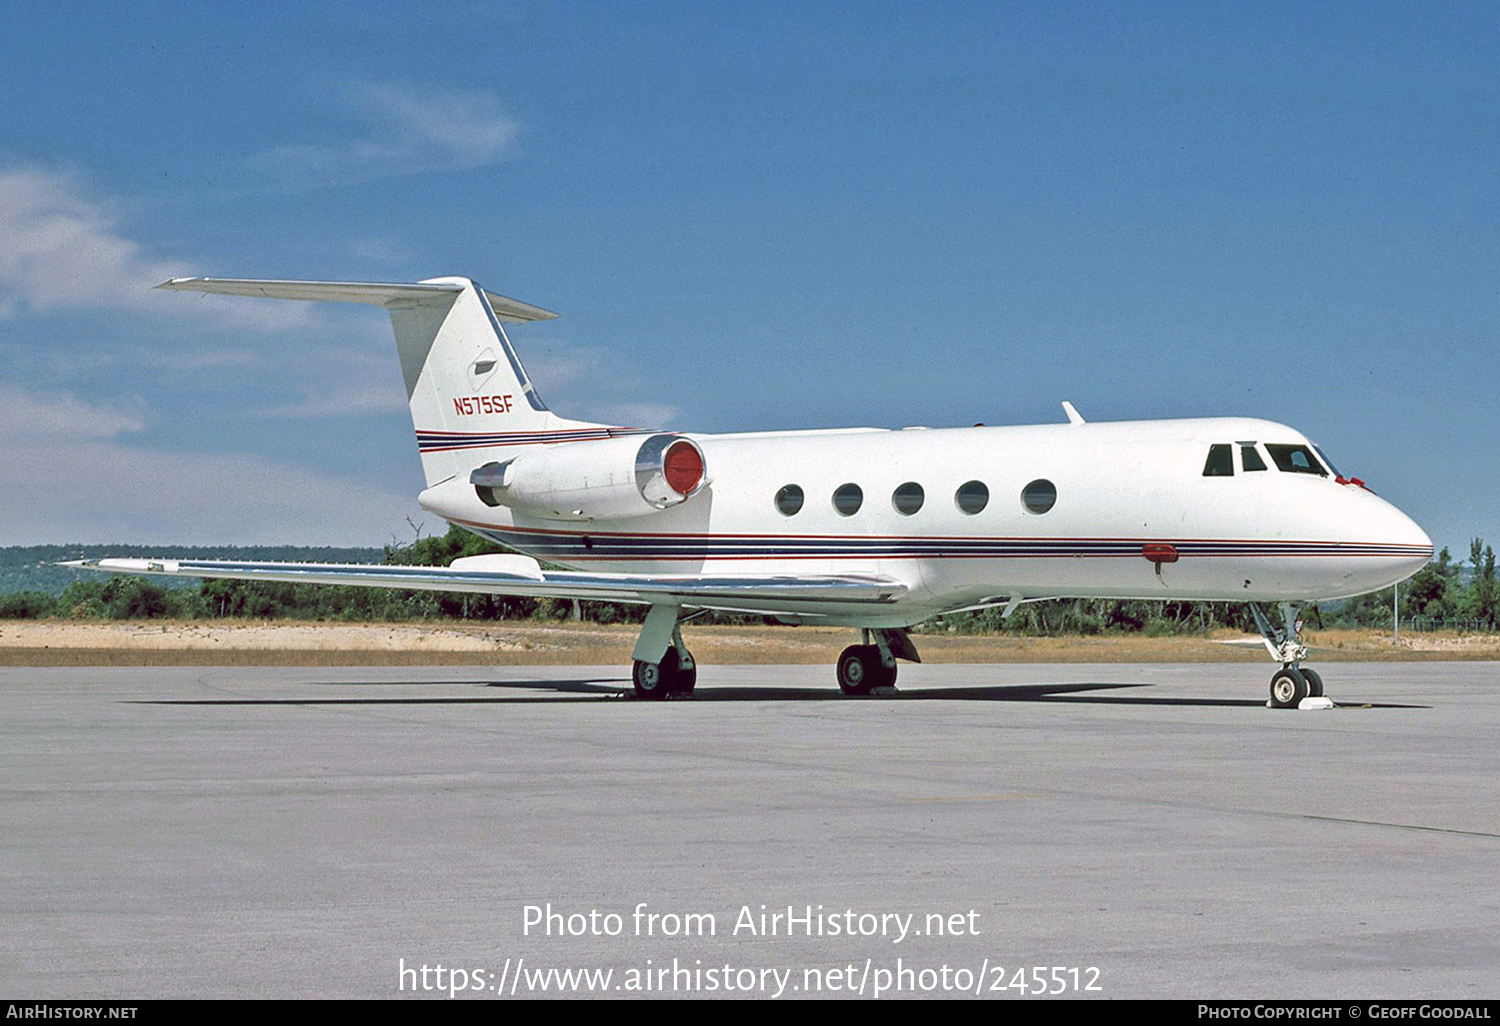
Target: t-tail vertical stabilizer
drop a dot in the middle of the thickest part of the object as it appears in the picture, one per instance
(466, 387)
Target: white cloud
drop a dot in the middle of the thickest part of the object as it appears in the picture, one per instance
(593, 383)
(344, 382)
(60, 417)
(411, 131)
(559, 369)
(588, 383)
(61, 248)
(643, 415)
(201, 359)
(342, 401)
(67, 476)
(375, 250)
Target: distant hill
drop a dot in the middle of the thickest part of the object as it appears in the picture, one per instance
(30, 567)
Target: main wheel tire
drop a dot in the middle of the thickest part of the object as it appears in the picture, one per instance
(654, 680)
(855, 670)
(683, 681)
(1314, 683)
(1288, 688)
(862, 670)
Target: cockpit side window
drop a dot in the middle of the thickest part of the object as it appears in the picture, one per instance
(1295, 459)
(1250, 457)
(1220, 461)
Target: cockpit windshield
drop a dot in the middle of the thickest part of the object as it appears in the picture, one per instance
(1295, 459)
(1326, 461)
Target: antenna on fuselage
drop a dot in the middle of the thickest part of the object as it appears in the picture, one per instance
(1074, 417)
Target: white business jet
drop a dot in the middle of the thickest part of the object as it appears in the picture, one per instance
(867, 528)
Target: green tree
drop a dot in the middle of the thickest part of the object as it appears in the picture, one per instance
(1486, 590)
(82, 599)
(26, 605)
(1431, 591)
(120, 597)
(440, 550)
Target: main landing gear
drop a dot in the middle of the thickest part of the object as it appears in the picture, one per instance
(664, 668)
(863, 668)
(673, 671)
(1293, 682)
(676, 674)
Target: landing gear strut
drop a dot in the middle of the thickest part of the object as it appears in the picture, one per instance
(1293, 682)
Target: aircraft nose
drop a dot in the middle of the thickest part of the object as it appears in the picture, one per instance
(1390, 544)
(1410, 534)
(1409, 546)
(1417, 536)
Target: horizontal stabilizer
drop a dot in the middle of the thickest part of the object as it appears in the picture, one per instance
(746, 592)
(374, 293)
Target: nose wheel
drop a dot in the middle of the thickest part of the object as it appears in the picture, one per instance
(1293, 682)
(1314, 682)
(1288, 688)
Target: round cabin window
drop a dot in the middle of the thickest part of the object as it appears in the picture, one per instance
(1039, 496)
(847, 500)
(789, 500)
(971, 497)
(908, 498)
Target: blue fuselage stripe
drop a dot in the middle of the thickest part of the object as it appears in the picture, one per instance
(582, 545)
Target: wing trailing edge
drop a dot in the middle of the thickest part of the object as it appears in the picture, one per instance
(748, 592)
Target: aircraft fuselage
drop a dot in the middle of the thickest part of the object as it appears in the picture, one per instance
(1115, 510)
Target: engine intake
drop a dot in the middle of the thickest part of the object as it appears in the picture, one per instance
(613, 479)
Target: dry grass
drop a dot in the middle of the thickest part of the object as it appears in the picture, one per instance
(256, 643)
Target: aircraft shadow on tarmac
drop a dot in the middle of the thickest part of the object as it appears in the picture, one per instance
(616, 689)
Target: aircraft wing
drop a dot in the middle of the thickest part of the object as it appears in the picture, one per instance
(523, 576)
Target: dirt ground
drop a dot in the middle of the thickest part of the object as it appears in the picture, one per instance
(259, 643)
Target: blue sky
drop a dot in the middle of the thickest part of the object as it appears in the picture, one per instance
(750, 216)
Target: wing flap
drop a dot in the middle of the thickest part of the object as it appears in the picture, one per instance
(752, 592)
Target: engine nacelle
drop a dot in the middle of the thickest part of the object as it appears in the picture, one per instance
(606, 480)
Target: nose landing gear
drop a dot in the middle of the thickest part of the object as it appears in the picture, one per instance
(1293, 683)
